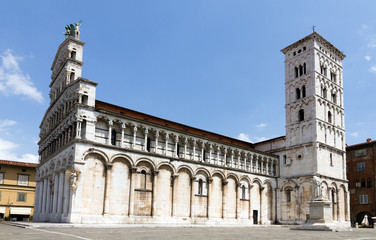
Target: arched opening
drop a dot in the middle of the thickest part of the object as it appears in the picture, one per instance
(301, 115)
(296, 72)
(369, 183)
(324, 93)
(148, 144)
(300, 70)
(303, 91)
(288, 195)
(243, 192)
(297, 93)
(200, 187)
(143, 179)
(304, 68)
(73, 54)
(329, 117)
(331, 159)
(72, 76)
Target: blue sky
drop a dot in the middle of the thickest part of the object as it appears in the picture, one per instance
(214, 65)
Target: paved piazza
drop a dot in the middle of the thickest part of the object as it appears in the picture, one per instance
(181, 233)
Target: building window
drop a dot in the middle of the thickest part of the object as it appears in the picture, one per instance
(361, 166)
(334, 98)
(296, 72)
(23, 180)
(284, 159)
(329, 117)
(297, 93)
(304, 68)
(288, 195)
(357, 183)
(243, 192)
(300, 70)
(324, 93)
(301, 115)
(72, 76)
(200, 186)
(360, 152)
(363, 183)
(1, 178)
(363, 198)
(303, 92)
(21, 197)
(369, 183)
(73, 54)
(143, 179)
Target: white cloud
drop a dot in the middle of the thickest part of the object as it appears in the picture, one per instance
(7, 152)
(354, 134)
(373, 69)
(368, 58)
(244, 137)
(261, 125)
(13, 80)
(6, 123)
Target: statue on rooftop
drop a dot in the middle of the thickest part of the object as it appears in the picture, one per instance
(72, 30)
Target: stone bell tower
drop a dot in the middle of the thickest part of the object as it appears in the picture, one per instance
(314, 152)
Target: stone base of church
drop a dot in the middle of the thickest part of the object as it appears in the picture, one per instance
(113, 219)
(333, 226)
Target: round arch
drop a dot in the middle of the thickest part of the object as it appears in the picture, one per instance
(232, 175)
(198, 170)
(96, 151)
(122, 157)
(145, 160)
(187, 168)
(173, 170)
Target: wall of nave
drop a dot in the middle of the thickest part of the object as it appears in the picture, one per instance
(131, 187)
(294, 195)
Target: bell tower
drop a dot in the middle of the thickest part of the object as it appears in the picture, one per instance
(315, 131)
(67, 65)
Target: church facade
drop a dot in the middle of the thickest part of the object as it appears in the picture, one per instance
(101, 163)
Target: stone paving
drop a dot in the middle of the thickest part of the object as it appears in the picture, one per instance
(181, 233)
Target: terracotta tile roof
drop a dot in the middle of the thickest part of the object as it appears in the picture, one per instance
(171, 124)
(18, 164)
(360, 144)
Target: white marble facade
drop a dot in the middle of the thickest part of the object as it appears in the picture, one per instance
(101, 163)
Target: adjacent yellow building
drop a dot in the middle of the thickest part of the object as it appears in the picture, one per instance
(17, 190)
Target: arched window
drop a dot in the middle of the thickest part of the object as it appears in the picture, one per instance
(200, 187)
(369, 183)
(113, 137)
(363, 183)
(178, 150)
(296, 72)
(324, 93)
(304, 68)
(300, 70)
(143, 179)
(73, 54)
(288, 195)
(303, 92)
(334, 98)
(243, 192)
(329, 117)
(301, 115)
(72, 76)
(357, 183)
(322, 69)
(297, 93)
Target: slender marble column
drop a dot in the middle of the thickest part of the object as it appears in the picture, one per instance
(156, 142)
(146, 140)
(166, 147)
(209, 210)
(238, 200)
(134, 137)
(250, 212)
(155, 186)
(48, 197)
(56, 186)
(193, 190)
(224, 184)
(44, 200)
(66, 199)
(131, 194)
(109, 132)
(122, 135)
(61, 191)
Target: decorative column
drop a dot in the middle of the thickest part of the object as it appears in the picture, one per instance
(78, 128)
(56, 185)
(173, 207)
(134, 137)
(155, 186)
(238, 185)
(210, 152)
(224, 183)
(208, 211)
(338, 205)
(48, 197)
(110, 123)
(272, 168)
(261, 189)
(232, 158)
(194, 150)
(239, 162)
(176, 146)
(193, 190)
(66, 193)
(122, 135)
(225, 157)
(107, 182)
(40, 198)
(298, 211)
(250, 212)
(267, 166)
(245, 162)
(166, 147)
(131, 194)
(185, 147)
(61, 190)
(44, 199)
(217, 160)
(202, 152)
(156, 142)
(146, 139)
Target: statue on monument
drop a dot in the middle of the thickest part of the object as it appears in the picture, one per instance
(72, 30)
